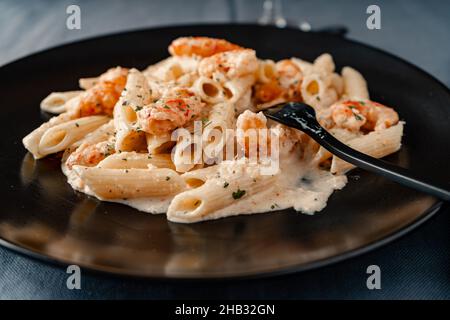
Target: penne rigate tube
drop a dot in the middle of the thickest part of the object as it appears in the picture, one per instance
(355, 86)
(87, 83)
(55, 102)
(31, 141)
(129, 183)
(266, 71)
(221, 117)
(134, 160)
(209, 90)
(236, 88)
(196, 178)
(61, 136)
(159, 143)
(136, 94)
(235, 182)
(102, 133)
(376, 144)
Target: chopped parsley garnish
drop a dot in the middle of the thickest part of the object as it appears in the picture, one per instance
(166, 106)
(238, 194)
(138, 108)
(125, 103)
(149, 156)
(357, 117)
(167, 178)
(124, 159)
(318, 98)
(76, 124)
(226, 184)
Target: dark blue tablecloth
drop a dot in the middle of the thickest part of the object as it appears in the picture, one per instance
(415, 266)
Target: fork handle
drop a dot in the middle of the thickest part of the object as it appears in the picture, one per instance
(398, 174)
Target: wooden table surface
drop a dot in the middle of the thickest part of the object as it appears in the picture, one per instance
(416, 266)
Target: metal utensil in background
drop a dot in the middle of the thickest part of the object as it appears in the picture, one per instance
(273, 15)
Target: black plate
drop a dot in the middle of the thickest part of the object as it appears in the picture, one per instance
(41, 216)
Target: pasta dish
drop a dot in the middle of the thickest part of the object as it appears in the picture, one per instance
(186, 136)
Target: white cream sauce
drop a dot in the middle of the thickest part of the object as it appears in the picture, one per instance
(298, 185)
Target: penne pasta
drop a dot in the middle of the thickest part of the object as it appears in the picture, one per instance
(355, 86)
(187, 154)
(305, 66)
(63, 135)
(240, 179)
(221, 117)
(129, 183)
(324, 64)
(236, 88)
(209, 90)
(134, 160)
(317, 91)
(376, 144)
(244, 103)
(103, 133)
(32, 140)
(87, 83)
(159, 143)
(130, 136)
(55, 102)
(196, 178)
(266, 71)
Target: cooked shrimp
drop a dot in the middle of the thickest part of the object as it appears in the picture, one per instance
(368, 115)
(250, 120)
(90, 155)
(265, 92)
(285, 85)
(200, 46)
(102, 97)
(246, 123)
(229, 64)
(173, 110)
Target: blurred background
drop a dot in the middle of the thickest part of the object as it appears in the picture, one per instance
(416, 30)
(416, 266)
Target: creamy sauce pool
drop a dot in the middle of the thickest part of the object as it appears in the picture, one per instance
(298, 185)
